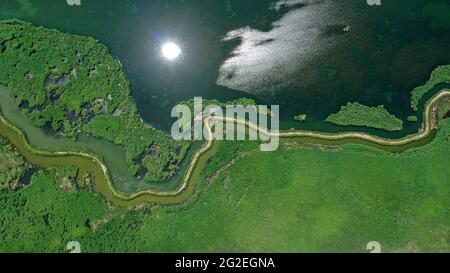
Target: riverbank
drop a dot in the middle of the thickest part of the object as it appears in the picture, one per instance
(72, 86)
(93, 164)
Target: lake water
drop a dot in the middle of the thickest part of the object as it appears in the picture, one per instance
(294, 53)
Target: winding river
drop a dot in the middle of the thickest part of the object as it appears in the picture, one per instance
(45, 151)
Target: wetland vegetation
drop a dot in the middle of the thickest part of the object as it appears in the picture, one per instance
(439, 76)
(314, 197)
(73, 85)
(301, 117)
(356, 114)
(12, 165)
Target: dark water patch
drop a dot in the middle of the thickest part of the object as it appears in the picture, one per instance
(46, 219)
(447, 115)
(48, 131)
(26, 178)
(71, 115)
(53, 81)
(286, 6)
(89, 116)
(141, 172)
(333, 30)
(24, 105)
(53, 96)
(86, 106)
(264, 42)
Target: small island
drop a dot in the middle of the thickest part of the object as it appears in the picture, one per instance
(356, 114)
(301, 117)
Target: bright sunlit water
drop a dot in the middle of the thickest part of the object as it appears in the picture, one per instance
(171, 51)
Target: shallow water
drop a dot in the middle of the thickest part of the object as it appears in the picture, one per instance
(113, 155)
(89, 167)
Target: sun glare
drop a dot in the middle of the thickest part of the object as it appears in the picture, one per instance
(171, 51)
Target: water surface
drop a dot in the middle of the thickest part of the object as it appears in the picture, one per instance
(288, 52)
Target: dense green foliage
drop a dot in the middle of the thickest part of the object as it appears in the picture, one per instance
(443, 109)
(438, 76)
(297, 199)
(43, 218)
(357, 114)
(74, 85)
(12, 164)
(205, 103)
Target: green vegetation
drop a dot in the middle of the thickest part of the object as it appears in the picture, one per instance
(443, 109)
(322, 200)
(72, 84)
(301, 198)
(12, 165)
(438, 76)
(43, 218)
(66, 178)
(94, 174)
(301, 118)
(245, 102)
(356, 114)
(223, 105)
(412, 118)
